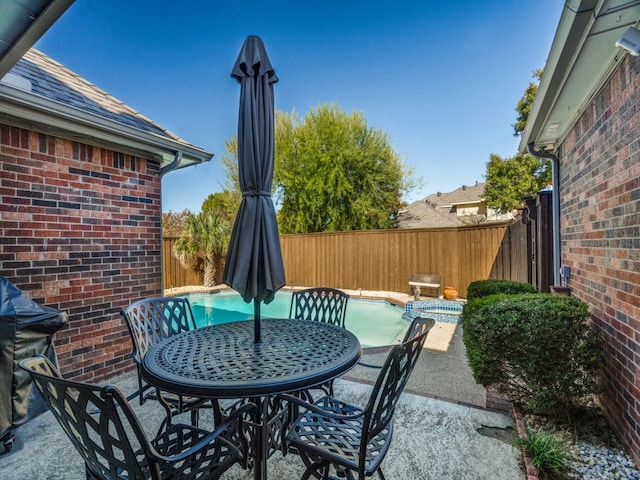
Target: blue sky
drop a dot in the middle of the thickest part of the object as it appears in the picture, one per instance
(441, 79)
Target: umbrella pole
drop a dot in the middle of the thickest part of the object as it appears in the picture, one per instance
(256, 320)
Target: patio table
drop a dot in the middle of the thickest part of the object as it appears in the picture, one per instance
(222, 361)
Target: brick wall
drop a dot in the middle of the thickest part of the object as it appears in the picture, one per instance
(81, 232)
(600, 228)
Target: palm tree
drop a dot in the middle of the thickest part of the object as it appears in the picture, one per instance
(206, 235)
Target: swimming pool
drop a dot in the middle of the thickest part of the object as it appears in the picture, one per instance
(374, 322)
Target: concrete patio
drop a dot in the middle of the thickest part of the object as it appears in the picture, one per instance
(442, 430)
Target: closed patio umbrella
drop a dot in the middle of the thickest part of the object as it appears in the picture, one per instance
(254, 265)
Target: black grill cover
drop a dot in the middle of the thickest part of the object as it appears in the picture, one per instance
(25, 330)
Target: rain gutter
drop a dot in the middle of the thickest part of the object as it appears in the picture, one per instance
(177, 160)
(555, 207)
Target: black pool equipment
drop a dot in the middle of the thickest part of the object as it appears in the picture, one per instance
(26, 329)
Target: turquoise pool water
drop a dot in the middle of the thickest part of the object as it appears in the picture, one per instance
(374, 322)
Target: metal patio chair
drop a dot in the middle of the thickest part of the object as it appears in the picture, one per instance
(106, 432)
(351, 439)
(150, 321)
(320, 304)
(418, 326)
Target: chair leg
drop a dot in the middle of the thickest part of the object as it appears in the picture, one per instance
(88, 473)
(169, 413)
(141, 389)
(314, 468)
(195, 417)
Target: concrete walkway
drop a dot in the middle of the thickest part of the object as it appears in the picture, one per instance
(442, 430)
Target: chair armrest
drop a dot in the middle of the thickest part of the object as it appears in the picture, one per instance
(322, 411)
(205, 441)
(370, 365)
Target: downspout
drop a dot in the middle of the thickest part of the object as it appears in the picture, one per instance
(555, 206)
(177, 158)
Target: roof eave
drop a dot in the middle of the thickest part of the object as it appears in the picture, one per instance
(24, 109)
(469, 202)
(581, 58)
(32, 32)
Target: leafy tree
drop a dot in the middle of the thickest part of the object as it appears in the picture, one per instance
(524, 105)
(205, 236)
(225, 203)
(335, 173)
(332, 172)
(173, 222)
(509, 180)
(229, 163)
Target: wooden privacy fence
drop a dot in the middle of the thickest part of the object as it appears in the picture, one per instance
(175, 275)
(385, 259)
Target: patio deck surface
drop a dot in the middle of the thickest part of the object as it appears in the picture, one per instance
(437, 432)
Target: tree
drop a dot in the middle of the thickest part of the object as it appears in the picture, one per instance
(173, 222)
(509, 180)
(229, 164)
(524, 105)
(205, 236)
(225, 203)
(334, 173)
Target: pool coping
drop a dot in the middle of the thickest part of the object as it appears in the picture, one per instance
(390, 298)
(395, 298)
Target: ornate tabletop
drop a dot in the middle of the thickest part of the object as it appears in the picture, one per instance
(222, 361)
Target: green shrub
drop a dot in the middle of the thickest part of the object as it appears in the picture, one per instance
(537, 347)
(549, 454)
(483, 288)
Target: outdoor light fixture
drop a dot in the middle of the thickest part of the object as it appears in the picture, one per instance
(630, 41)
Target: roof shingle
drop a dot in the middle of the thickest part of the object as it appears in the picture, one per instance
(436, 209)
(53, 81)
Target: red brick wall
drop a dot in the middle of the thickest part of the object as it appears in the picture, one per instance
(81, 232)
(600, 227)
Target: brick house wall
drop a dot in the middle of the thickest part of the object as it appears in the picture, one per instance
(81, 232)
(600, 234)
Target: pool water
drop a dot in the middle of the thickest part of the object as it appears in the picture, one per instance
(374, 322)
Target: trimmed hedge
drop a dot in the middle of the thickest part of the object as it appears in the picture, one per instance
(484, 288)
(537, 347)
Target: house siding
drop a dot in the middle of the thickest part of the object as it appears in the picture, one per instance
(81, 232)
(600, 234)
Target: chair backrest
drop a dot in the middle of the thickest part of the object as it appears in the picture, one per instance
(153, 319)
(97, 420)
(322, 304)
(393, 378)
(418, 326)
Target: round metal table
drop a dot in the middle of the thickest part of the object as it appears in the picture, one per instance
(222, 361)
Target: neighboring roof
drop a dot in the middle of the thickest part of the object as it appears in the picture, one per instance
(420, 215)
(463, 194)
(442, 209)
(582, 57)
(45, 94)
(436, 209)
(22, 23)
